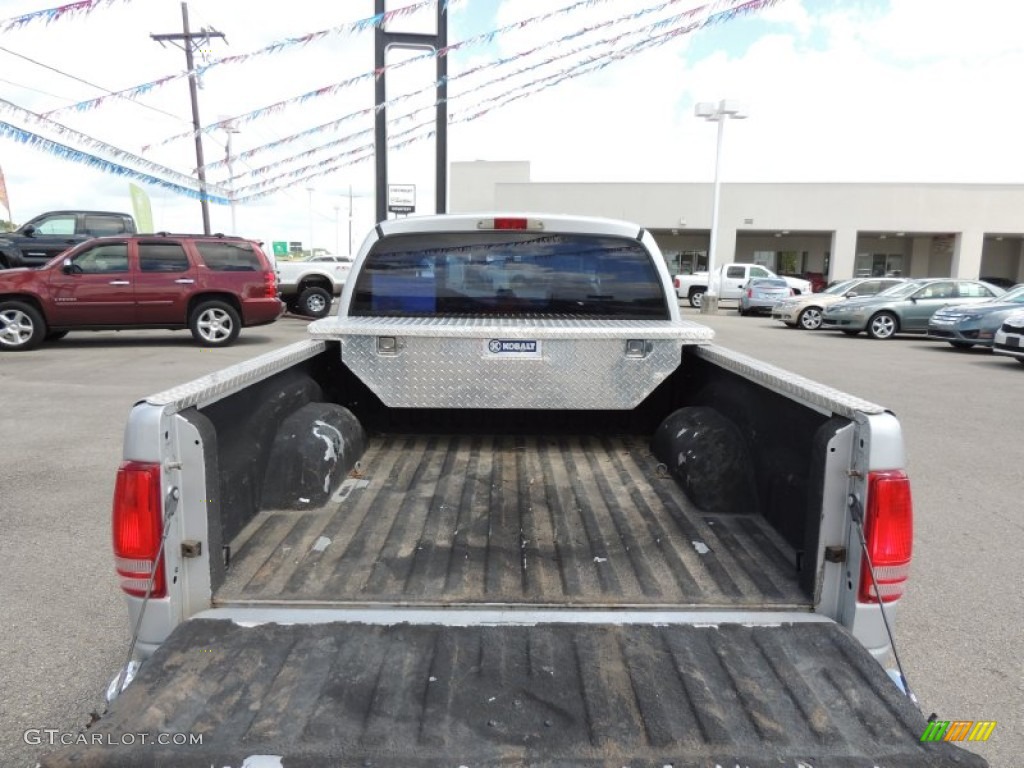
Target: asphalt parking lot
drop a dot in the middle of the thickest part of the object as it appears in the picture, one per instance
(63, 409)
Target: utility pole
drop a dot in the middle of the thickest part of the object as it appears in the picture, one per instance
(186, 41)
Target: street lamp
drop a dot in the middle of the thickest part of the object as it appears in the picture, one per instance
(229, 128)
(310, 190)
(717, 113)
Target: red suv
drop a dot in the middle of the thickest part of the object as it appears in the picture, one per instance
(211, 284)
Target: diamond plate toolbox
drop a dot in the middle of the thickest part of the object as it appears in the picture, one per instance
(549, 364)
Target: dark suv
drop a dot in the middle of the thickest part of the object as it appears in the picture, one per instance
(211, 284)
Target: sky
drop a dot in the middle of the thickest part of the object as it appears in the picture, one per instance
(585, 90)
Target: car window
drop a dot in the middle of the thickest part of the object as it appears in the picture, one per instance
(943, 290)
(974, 291)
(233, 256)
(101, 226)
(1016, 296)
(102, 259)
(760, 272)
(56, 225)
(503, 273)
(162, 257)
(840, 288)
(735, 272)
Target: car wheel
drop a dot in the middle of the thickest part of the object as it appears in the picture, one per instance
(852, 333)
(314, 302)
(810, 319)
(883, 325)
(696, 297)
(214, 324)
(741, 310)
(21, 326)
(961, 344)
(56, 335)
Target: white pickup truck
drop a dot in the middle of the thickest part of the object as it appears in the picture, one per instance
(309, 286)
(508, 508)
(731, 280)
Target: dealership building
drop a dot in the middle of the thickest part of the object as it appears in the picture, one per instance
(836, 230)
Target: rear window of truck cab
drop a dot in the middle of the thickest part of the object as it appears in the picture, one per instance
(489, 274)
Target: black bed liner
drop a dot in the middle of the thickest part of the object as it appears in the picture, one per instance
(561, 520)
(349, 694)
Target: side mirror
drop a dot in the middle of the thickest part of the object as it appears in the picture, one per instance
(851, 294)
(28, 231)
(68, 268)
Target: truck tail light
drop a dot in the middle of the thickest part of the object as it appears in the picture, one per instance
(270, 285)
(138, 528)
(889, 532)
(675, 282)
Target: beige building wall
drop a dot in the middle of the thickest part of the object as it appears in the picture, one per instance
(938, 229)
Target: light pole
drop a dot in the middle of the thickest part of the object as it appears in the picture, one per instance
(310, 190)
(717, 113)
(230, 129)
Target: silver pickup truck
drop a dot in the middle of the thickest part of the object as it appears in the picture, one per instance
(507, 507)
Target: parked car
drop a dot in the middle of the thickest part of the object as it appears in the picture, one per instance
(1009, 339)
(760, 294)
(309, 286)
(1002, 282)
(904, 308)
(965, 326)
(44, 236)
(816, 279)
(212, 285)
(805, 311)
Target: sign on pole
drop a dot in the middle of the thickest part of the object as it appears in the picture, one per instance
(280, 248)
(401, 198)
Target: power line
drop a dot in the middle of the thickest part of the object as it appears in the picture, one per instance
(84, 82)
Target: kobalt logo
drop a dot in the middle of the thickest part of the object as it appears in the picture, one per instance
(499, 346)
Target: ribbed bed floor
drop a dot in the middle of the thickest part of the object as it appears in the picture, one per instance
(448, 520)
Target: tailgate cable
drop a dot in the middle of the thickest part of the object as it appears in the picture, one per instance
(171, 506)
(857, 513)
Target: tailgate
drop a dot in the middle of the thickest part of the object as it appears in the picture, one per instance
(800, 694)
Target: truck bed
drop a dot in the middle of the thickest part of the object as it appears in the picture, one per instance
(786, 694)
(480, 519)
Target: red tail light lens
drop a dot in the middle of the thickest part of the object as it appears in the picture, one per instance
(270, 285)
(675, 282)
(138, 528)
(889, 532)
(750, 293)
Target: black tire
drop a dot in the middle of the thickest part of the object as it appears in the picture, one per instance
(741, 310)
(314, 302)
(1020, 360)
(696, 297)
(852, 333)
(961, 344)
(809, 319)
(883, 325)
(56, 335)
(214, 324)
(21, 326)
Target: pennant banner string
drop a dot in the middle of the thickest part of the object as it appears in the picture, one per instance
(328, 90)
(594, 64)
(48, 15)
(615, 40)
(75, 155)
(279, 45)
(95, 144)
